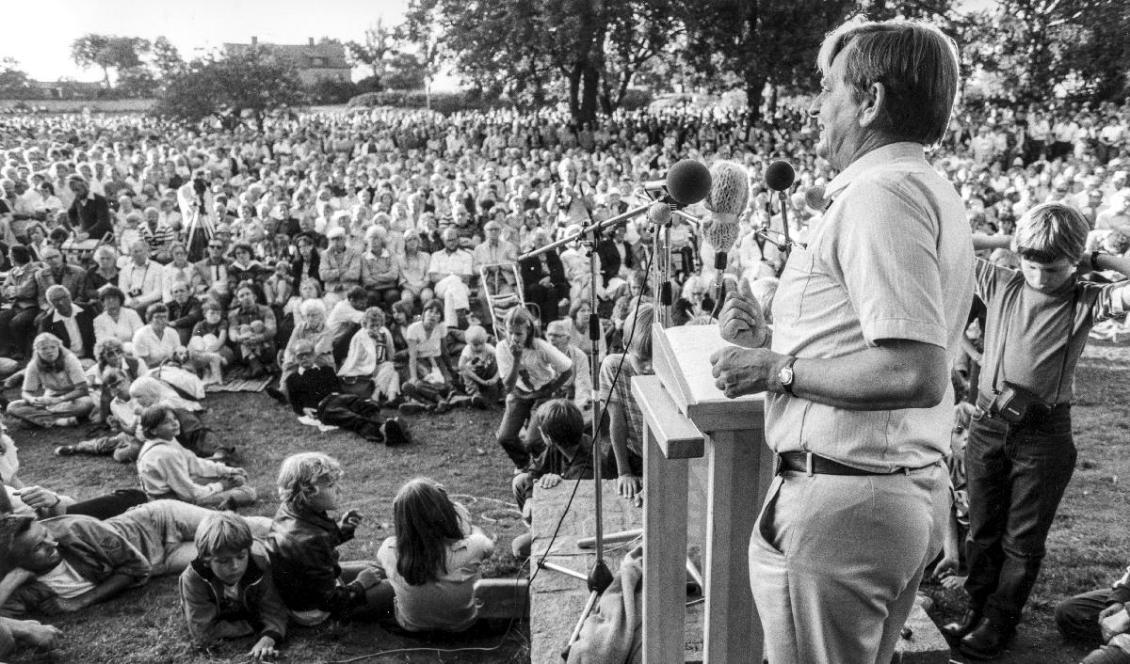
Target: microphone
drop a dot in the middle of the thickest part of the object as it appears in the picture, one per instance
(726, 200)
(814, 198)
(779, 176)
(688, 182)
(659, 214)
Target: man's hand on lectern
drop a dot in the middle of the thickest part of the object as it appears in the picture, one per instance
(742, 322)
(739, 371)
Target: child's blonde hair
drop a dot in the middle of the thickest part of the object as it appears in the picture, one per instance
(1051, 231)
(475, 334)
(222, 532)
(300, 473)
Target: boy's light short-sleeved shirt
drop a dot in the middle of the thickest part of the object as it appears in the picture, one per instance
(540, 365)
(427, 345)
(55, 382)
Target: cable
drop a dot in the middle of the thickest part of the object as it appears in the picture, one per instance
(603, 409)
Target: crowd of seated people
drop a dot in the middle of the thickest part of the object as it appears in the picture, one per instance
(380, 255)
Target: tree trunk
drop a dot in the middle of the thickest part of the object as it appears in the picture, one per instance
(575, 93)
(589, 91)
(754, 85)
(106, 77)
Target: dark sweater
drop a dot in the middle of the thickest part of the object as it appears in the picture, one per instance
(307, 389)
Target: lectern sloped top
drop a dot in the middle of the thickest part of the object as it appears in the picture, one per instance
(681, 359)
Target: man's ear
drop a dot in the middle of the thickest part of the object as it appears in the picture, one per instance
(871, 104)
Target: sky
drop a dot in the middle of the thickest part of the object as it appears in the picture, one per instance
(38, 34)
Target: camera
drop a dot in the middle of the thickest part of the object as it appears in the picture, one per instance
(1016, 404)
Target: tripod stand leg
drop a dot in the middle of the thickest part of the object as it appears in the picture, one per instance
(589, 606)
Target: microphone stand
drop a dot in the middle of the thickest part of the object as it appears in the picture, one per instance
(599, 576)
(788, 248)
(785, 221)
(594, 227)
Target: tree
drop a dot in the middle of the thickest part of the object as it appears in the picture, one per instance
(404, 71)
(246, 80)
(760, 41)
(137, 82)
(521, 48)
(14, 82)
(379, 43)
(108, 52)
(166, 58)
(1077, 46)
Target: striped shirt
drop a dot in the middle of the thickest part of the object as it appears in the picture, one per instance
(892, 258)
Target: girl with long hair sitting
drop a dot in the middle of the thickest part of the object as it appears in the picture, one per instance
(432, 562)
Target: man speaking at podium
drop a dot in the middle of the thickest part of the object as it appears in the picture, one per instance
(867, 318)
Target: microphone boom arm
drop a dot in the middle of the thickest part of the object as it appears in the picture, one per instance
(596, 227)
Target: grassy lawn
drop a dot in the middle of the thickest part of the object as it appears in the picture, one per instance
(1088, 546)
(146, 625)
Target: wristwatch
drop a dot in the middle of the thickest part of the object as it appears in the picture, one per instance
(785, 376)
(1094, 257)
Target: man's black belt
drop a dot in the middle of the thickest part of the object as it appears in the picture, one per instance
(814, 464)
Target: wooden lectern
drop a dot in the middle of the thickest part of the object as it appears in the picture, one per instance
(685, 417)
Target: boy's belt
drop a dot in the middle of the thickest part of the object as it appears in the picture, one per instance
(987, 403)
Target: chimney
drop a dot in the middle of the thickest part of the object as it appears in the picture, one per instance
(254, 40)
(311, 42)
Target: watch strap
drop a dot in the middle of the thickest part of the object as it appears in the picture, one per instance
(788, 387)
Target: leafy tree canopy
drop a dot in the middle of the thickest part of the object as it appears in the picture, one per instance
(251, 80)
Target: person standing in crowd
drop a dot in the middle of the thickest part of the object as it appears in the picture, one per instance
(867, 320)
(89, 214)
(1021, 453)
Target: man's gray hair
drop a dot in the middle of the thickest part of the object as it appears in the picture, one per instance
(56, 289)
(916, 63)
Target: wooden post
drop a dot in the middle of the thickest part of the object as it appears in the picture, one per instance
(669, 440)
(738, 475)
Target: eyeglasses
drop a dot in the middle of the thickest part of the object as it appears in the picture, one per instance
(215, 246)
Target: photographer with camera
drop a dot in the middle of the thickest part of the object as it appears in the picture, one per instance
(1021, 454)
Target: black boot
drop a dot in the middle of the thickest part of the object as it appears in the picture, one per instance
(962, 626)
(987, 641)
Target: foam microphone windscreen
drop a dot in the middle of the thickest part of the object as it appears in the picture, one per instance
(688, 182)
(779, 175)
(659, 214)
(814, 198)
(722, 236)
(729, 189)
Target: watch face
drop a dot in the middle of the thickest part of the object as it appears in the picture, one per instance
(786, 376)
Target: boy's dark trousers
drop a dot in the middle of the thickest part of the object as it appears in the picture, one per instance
(1078, 617)
(1017, 474)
